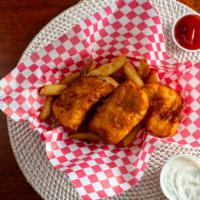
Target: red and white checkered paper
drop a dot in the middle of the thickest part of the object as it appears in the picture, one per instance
(132, 27)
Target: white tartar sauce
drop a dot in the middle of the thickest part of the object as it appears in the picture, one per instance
(181, 179)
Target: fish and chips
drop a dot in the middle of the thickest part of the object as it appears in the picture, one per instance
(123, 99)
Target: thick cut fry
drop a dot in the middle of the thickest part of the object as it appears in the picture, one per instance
(86, 136)
(109, 68)
(54, 89)
(70, 77)
(132, 74)
(110, 80)
(131, 136)
(152, 78)
(46, 110)
(143, 69)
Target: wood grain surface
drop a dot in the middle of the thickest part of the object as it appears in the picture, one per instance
(20, 20)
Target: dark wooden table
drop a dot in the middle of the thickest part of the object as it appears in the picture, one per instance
(20, 20)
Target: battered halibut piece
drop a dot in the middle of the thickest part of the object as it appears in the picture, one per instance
(165, 110)
(72, 106)
(120, 113)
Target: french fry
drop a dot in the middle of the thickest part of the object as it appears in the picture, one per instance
(131, 136)
(152, 78)
(132, 74)
(46, 109)
(110, 80)
(54, 89)
(109, 68)
(70, 77)
(86, 136)
(143, 69)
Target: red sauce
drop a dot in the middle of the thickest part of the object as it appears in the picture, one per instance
(187, 32)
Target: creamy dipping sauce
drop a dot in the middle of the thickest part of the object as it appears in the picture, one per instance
(180, 179)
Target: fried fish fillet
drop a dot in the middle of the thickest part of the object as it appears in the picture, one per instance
(71, 107)
(120, 113)
(165, 110)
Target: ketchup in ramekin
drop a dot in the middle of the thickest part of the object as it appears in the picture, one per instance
(186, 32)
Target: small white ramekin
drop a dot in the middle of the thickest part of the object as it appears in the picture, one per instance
(173, 35)
(166, 165)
